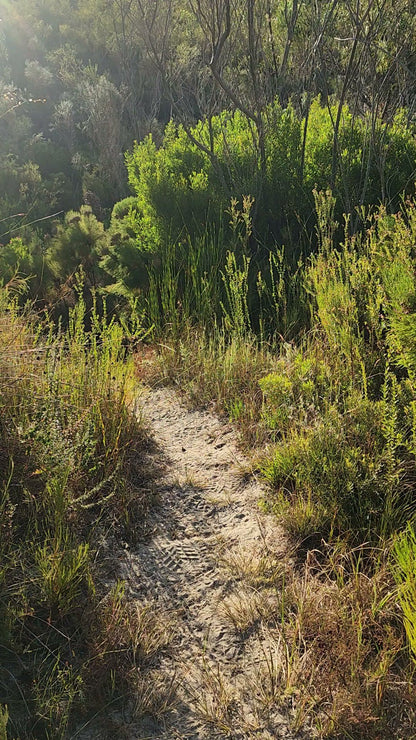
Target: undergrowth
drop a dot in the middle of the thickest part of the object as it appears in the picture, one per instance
(329, 415)
(74, 483)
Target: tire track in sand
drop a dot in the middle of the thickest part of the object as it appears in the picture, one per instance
(207, 564)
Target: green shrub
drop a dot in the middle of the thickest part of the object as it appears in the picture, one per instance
(180, 189)
(63, 575)
(79, 243)
(350, 467)
(22, 259)
(345, 402)
(296, 391)
(405, 572)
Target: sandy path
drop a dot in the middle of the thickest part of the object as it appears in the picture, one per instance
(210, 565)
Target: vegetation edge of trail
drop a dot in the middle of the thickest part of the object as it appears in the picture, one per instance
(76, 479)
(330, 420)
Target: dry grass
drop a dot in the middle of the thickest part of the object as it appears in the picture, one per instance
(254, 569)
(211, 695)
(74, 475)
(155, 694)
(215, 371)
(327, 642)
(341, 645)
(124, 638)
(246, 609)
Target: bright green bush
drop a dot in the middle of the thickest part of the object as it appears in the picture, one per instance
(405, 571)
(25, 260)
(344, 403)
(296, 391)
(375, 161)
(180, 188)
(346, 465)
(171, 185)
(131, 250)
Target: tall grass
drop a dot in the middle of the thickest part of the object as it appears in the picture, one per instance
(72, 475)
(209, 283)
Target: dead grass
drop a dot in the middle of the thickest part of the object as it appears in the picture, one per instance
(211, 695)
(327, 641)
(254, 569)
(341, 643)
(155, 694)
(246, 609)
(213, 371)
(124, 638)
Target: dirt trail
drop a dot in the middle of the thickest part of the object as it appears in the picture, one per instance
(210, 565)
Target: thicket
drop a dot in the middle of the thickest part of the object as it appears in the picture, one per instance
(342, 408)
(194, 218)
(80, 81)
(199, 223)
(180, 189)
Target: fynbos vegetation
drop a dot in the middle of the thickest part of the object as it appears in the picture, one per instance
(73, 480)
(227, 188)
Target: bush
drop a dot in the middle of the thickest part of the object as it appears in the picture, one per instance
(79, 242)
(180, 189)
(405, 572)
(296, 391)
(344, 403)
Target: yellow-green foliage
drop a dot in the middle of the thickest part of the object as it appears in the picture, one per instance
(345, 464)
(79, 243)
(180, 189)
(344, 402)
(296, 390)
(405, 572)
